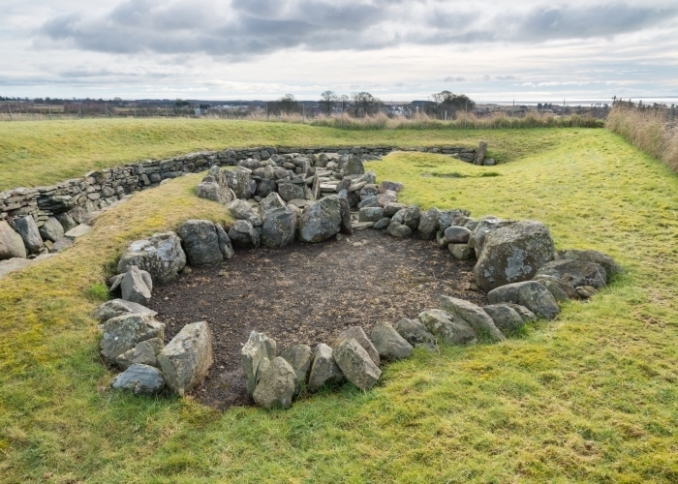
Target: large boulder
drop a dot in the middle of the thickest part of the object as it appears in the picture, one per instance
(243, 234)
(200, 242)
(271, 202)
(389, 344)
(280, 227)
(214, 191)
(473, 315)
(415, 333)
(513, 253)
(299, 357)
(531, 294)
(356, 364)
(449, 329)
(119, 307)
(357, 333)
(371, 214)
(321, 221)
(124, 332)
(242, 210)
(52, 230)
(161, 255)
(277, 385)
(186, 359)
(483, 227)
(258, 348)
(140, 380)
(239, 180)
(291, 191)
(429, 223)
(353, 166)
(11, 243)
(324, 370)
(28, 230)
(610, 266)
(575, 273)
(136, 286)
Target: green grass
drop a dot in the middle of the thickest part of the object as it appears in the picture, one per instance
(591, 397)
(35, 153)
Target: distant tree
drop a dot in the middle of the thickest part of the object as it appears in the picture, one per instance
(205, 107)
(180, 103)
(288, 104)
(447, 101)
(365, 104)
(327, 101)
(345, 102)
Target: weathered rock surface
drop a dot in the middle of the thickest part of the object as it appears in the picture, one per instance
(140, 380)
(28, 230)
(258, 348)
(124, 332)
(398, 230)
(449, 328)
(277, 385)
(66, 221)
(270, 203)
(389, 344)
(371, 214)
(321, 221)
(280, 227)
(527, 315)
(242, 210)
(356, 364)
(79, 231)
(473, 315)
(575, 272)
(143, 353)
(290, 191)
(531, 294)
(324, 370)
(161, 255)
(457, 235)
(357, 333)
(136, 286)
(415, 333)
(213, 191)
(52, 230)
(11, 243)
(513, 253)
(119, 307)
(429, 223)
(243, 234)
(299, 358)
(186, 359)
(505, 317)
(610, 266)
(239, 181)
(390, 185)
(460, 251)
(200, 242)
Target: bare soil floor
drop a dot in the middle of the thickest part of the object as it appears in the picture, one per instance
(306, 293)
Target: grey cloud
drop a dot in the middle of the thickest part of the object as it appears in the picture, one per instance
(255, 27)
(454, 79)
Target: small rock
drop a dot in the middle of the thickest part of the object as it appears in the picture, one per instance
(382, 224)
(505, 317)
(356, 364)
(531, 294)
(299, 357)
(136, 286)
(78, 231)
(473, 315)
(143, 353)
(460, 251)
(449, 328)
(324, 370)
(243, 234)
(415, 333)
(389, 343)
(140, 380)
(398, 230)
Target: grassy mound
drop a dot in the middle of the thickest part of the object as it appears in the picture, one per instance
(591, 397)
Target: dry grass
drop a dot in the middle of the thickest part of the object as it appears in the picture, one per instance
(649, 131)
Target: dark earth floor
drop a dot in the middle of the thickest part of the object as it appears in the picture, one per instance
(306, 293)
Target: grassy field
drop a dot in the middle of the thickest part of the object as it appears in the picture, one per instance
(34, 153)
(591, 397)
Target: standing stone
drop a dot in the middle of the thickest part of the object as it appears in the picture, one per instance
(200, 242)
(136, 286)
(356, 364)
(449, 328)
(354, 166)
(140, 380)
(473, 315)
(124, 332)
(28, 230)
(321, 221)
(480, 154)
(258, 348)
(186, 360)
(324, 370)
(161, 255)
(299, 357)
(428, 223)
(277, 385)
(389, 343)
(357, 333)
(52, 230)
(11, 243)
(513, 253)
(346, 224)
(280, 227)
(415, 333)
(225, 245)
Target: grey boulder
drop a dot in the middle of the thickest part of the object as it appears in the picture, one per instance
(473, 315)
(161, 255)
(299, 357)
(119, 307)
(243, 234)
(124, 332)
(450, 329)
(321, 221)
(277, 385)
(429, 223)
(143, 353)
(280, 227)
(513, 253)
(258, 348)
(52, 230)
(140, 380)
(136, 286)
(200, 242)
(389, 344)
(531, 294)
(186, 359)
(28, 230)
(324, 370)
(610, 266)
(356, 364)
(11, 243)
(575, 273)
(415, 333)
(357, 333)
(505, 317)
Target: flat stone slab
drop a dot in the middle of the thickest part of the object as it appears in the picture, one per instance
(78, 231)
(16, 264)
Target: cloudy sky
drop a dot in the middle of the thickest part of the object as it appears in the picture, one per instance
(499, 50)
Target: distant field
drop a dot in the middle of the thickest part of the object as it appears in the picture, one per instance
(34, 153)
(589, 398)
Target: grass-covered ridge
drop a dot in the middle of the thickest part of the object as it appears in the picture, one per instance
(35, 153)
(591, 397)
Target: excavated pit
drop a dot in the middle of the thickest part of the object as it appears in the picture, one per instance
(307, 293)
